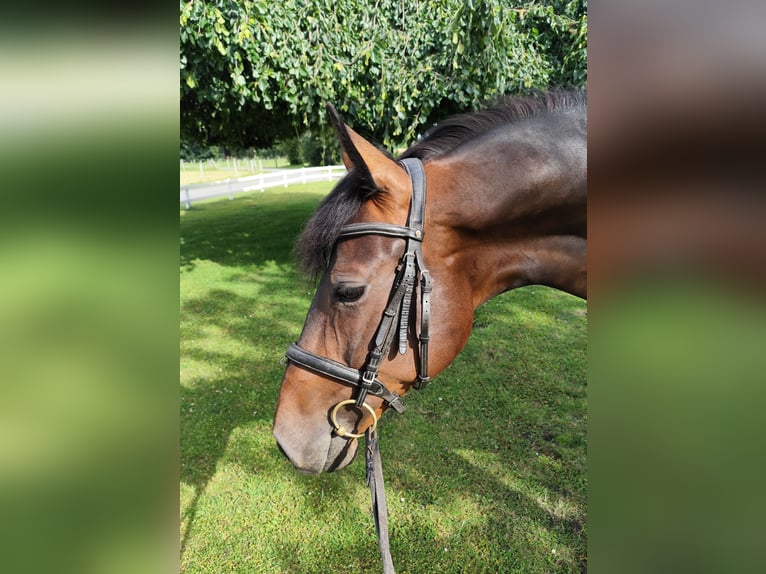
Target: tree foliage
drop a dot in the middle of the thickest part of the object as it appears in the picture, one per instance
(253, 71)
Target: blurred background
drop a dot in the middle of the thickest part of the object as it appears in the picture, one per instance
(88, 294)
(676, 270)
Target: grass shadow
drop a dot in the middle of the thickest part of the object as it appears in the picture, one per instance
(248, 230)
(227, 385)
(508, 444)
(227, 331)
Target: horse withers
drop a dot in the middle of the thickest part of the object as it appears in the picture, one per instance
(406, 250)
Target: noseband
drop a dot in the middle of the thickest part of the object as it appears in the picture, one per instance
(397, 311)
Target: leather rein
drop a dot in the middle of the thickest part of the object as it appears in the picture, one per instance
(397, 311)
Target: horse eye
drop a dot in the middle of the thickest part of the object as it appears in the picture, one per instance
(348, 293)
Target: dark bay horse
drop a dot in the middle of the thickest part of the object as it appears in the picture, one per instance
(504, 206)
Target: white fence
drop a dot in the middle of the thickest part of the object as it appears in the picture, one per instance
(285, 177)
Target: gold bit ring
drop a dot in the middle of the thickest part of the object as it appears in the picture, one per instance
(340, 431)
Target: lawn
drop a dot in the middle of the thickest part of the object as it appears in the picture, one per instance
(485, 471)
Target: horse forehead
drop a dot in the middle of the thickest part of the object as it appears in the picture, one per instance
(384, 208)
(364, 255)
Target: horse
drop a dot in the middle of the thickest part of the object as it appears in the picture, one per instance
(483, 203)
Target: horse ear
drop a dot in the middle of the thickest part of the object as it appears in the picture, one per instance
(361, 155)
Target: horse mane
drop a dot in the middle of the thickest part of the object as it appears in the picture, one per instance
(314, 246)
(455, 131)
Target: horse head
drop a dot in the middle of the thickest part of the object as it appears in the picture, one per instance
(351, 299)
(506, 207)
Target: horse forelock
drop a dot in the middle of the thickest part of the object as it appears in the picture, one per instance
(315, 243)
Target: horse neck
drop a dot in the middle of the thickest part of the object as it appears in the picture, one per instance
(512, 212)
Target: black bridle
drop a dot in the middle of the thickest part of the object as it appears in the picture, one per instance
(410, 267)
(397, 313)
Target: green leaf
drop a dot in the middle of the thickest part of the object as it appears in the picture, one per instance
(296, 57)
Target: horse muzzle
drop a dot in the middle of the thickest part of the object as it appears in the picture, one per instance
(320, 447)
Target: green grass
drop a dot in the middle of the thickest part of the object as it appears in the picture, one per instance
(485, 471)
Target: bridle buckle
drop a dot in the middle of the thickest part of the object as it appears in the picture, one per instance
(365, 384)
